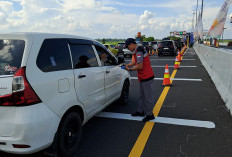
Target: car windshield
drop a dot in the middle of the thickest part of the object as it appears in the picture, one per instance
(112, 46)
(145, 43)
(154, 42)
(121, 44)
(107, 46)
(166, 43)
(11, 53)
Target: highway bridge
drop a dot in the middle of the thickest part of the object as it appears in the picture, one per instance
(192, 119)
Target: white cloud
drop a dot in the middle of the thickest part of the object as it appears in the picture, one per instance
(97, 19)
(6, 7)
(152, 25)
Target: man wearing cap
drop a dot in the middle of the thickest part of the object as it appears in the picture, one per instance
(141, 63)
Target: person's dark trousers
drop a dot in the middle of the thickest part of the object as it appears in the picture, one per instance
(146, 100)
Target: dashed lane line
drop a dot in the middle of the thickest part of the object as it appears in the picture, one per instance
(166, 59)
(164, 120)
(162, 66)
(174, 79)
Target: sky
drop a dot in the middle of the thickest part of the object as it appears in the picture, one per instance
(107, 18)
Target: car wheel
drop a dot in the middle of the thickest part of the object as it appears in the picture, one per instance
(124, 98)
(159, 54)
(69, 134)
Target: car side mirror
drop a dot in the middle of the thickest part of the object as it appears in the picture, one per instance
(121, 59)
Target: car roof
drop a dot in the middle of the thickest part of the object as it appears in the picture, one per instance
(42, 35)
(166, 40)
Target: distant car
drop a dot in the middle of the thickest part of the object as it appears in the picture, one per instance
(154, 44)
(145, 44)
(111, 48)
(167, 47)
(123, 50)
(178, 44)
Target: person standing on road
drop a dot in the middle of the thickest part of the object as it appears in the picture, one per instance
(141, 63)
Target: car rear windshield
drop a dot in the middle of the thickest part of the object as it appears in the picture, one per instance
(166, 43)
(121, 44)
(11, 53)
(145, 43)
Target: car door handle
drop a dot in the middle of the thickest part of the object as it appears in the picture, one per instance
(107, 71)
(81, 76)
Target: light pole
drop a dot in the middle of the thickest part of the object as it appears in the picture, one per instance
(196, 11)
(193, 22)
(223, 33)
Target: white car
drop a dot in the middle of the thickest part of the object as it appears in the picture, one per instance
(126, 51)
(52, 84)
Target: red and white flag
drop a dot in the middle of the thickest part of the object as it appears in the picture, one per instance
(219, 23)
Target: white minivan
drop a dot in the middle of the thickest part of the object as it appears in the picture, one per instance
(52, 84)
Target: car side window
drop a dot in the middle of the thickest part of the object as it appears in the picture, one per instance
(105, 57)
(83, 56)
(54, 56)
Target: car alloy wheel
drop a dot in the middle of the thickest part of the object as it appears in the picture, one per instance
(69, 135)
(124, 98)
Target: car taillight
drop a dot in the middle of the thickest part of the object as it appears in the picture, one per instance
(22, 92)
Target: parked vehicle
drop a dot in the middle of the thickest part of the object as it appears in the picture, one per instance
(167, 47)
(154, 44)
(178, 44)
(111, 48)
(145, 44)
(51, 85)
(123, 50)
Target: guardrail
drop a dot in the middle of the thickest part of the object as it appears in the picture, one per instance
(218, 63)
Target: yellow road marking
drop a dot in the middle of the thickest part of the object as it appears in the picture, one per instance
(144, 135)
(162, 97)
(142, 140)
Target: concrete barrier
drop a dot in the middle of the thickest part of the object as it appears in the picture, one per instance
(218, 63)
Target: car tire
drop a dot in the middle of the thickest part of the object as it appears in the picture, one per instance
(124, 98)
(69, 135)
(159, 54)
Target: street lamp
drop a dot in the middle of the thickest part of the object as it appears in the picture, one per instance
(223, 33)
(193, 22)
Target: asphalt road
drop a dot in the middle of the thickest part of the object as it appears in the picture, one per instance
(226, 47)
(193, 96)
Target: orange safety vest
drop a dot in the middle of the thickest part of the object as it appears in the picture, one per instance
(146, 73)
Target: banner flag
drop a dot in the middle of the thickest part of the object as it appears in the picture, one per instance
(219, 23)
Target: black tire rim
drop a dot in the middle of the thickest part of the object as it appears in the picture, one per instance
(126, 93)
(71, 135)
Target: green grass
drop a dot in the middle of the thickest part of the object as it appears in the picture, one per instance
(114, 42)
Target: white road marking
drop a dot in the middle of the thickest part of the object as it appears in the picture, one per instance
(173, 59)
(164, 120)
(175, 79)
(162, 66)
(166, 59)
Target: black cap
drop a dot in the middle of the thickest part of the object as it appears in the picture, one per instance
(129, 41)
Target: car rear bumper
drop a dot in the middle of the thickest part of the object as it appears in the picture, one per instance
(33, 125)
(128, 52)
(168, 51)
